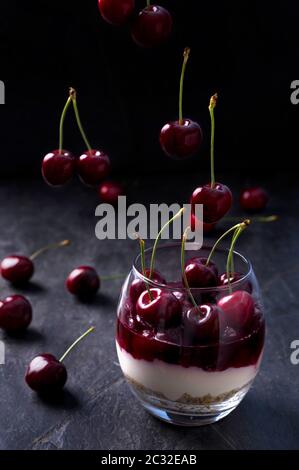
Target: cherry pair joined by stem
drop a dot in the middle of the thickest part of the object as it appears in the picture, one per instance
(182, 138)
(253, 199)
(48, 375)
(19, 269)
(59, 166)
(216, 198)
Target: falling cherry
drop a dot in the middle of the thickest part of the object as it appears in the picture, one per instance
(152, 27)
(182, 138)
(109, 192)
(253, 199)
(48, 375)
(116, 12)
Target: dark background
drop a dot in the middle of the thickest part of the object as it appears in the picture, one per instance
(247, 51)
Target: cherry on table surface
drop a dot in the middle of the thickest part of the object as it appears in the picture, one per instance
(15, 313)
(253, 199)
(116, 12)
(216, 201)
(58, 167)
(93, 166)
(200, 275)
(152, 26)
(201, 324)
(238, 308)
(109, 192)
(159, 308)
(48, 375)
(84, 282)
(17, 269)
(181, 139)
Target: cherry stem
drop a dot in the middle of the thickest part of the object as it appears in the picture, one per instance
(232, 229)
(185, 280)
(49, 247)
(148, 3)
(73, 95)
(230, 257)
(62, 119)
(178, 214)
(142, 259)
(213, 102)
(258, 218)
(75, 343)
(186, 57)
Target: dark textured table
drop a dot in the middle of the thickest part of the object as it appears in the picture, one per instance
(97, 410)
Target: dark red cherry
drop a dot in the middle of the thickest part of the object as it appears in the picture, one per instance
(163, 309)
(116, 12)
(156, 276)
(93, 166)
(15, 313)
(152, 26)
(246, 285)
(17, 269)
(181, 140)
(200, 275)
(254, 199)
(83, 282)
(238, 308)
(138, 286)
(58, 167)
(45, 374)
(201, 260)
(216, 201)
(197, 224)
(109, 192)
(201, 324)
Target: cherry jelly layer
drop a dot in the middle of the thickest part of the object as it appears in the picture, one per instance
(175, 346)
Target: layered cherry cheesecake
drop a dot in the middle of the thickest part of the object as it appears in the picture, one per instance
(172, 350)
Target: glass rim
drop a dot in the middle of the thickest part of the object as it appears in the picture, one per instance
(155, 284)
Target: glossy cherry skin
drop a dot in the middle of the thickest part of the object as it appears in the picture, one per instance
(58, 167)
(15, 313)
(201, 324)
(93, 166)
(152, 26)
(163, 310)
(17, 269)
(138, 286)
(46, 375)
(181, 140)
(83, 282)
(200, 275)
(116, 12)
(216, 201)
(197, 224)
(246, 285)
(254, 199)
(238, 308)
(109, 192)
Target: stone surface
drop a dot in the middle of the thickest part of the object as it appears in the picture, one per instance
(97, 410)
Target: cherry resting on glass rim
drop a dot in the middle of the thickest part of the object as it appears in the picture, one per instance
(152, 26)
(116, 12)
(17, 269)
(83, 282)
(15, 313)
(138, 286)
(109, 191)
(58, 167)
(156, 306)
(46, 374)
(93, 166)
(254, 199)
(216, 200)
(200, 275)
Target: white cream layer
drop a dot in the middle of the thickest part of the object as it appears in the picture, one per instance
(173, 381)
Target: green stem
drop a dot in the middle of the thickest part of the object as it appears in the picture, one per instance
(232, 229)
(75, 343)
(213, 102)
(186, 57)
(257, 218)
(183, 267)
(73, 95)
(178, 214)
(230, 262)
(142, 259)
(49, 247)
(148, 3)
(62, 119)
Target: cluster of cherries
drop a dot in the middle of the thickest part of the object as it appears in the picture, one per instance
(151, 27)
(45, 373)
(93, 166)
